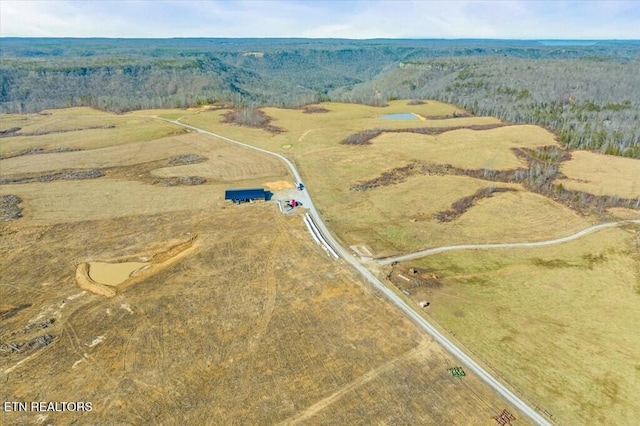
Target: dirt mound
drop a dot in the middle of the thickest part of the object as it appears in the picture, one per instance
(278, 185)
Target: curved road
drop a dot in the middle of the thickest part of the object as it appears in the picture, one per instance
(428, 252)
(399, 302)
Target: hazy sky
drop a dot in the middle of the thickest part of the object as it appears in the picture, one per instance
(582, 19)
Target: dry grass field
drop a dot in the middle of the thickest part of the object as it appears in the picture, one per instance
(559, 321)
(223, 161)
(470, 149)
(554, 322)
(602, 174)
(253, 325)
(390, 221)
(78, 128)
(399, 218)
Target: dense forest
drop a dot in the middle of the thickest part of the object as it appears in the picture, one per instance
(588, 92)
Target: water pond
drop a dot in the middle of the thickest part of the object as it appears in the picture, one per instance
(402, 116)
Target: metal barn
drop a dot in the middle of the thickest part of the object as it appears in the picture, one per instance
(245, 195)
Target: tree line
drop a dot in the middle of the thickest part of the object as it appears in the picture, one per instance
(588, 93)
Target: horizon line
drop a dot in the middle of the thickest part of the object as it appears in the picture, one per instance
(320, 38)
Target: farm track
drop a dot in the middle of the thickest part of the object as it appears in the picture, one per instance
(436, 250)
(524, 408)
(360, 381)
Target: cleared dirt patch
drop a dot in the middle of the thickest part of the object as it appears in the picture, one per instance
(278, 185)
(113, 273)
(106, 278)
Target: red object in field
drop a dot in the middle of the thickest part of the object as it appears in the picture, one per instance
(293, 203)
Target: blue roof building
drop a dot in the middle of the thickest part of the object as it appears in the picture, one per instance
(249, 194)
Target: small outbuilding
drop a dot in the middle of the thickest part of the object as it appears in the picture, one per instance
(245, 195)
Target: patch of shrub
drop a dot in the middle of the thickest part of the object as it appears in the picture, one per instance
(67, 175)
(251, 117)
(9, 207)
(180, 181)
(361, 138)
(181, 160)
(9, 132)
(460, 206)
(314, 110)
(33, 151)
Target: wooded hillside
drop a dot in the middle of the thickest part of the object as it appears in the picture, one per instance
(588, 92)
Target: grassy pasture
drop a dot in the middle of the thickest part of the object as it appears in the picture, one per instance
(64, 119)
(73, 201)
(401, 225)
(560, 321)
(470, 149)
(602, 174)
(281, 333)
(397, 218)
(80, 128)
(225, 162)
(309, 132)
(256, 325)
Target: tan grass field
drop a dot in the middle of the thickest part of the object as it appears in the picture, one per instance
(602, 174)
(389, 222)
(553, 329)
(398, 219)
(624, 214)
(79, 128)
(560, 321)
(255, 325)
(326, 129)
(233, 161)
(63, 119)
(470, 149)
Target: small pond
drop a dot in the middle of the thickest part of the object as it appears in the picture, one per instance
(402, 116)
